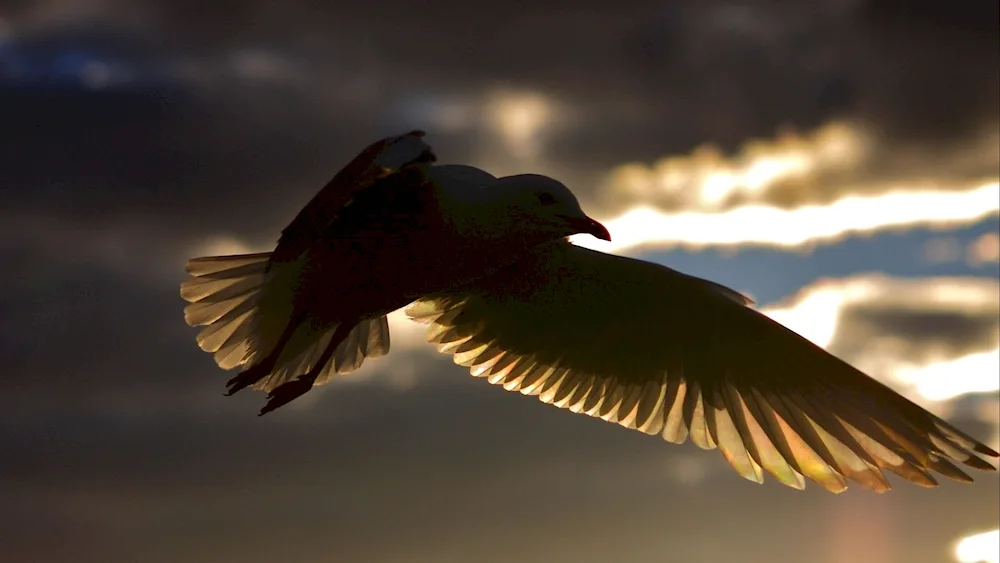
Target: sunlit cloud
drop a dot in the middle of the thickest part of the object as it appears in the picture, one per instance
(707, 178)
(973, 373)
(520, 118)
(836, 160)
(932, 366)
(764, 225)
(979, 548)
(798, 190)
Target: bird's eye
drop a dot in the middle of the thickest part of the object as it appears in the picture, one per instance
(546, 198)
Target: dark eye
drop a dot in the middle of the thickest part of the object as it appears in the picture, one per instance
(546, 199)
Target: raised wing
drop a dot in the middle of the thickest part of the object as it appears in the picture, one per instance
(655, 350)
(377, 161)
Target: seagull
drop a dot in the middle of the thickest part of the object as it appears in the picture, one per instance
(388, 229)
(487, 265)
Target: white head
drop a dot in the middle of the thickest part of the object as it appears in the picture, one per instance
(529, 208)
(545, 205)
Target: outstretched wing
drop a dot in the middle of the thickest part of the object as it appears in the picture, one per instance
(656, 350)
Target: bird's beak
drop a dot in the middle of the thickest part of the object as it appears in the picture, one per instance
(589, 226)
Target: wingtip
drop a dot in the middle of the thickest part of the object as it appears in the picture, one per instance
(987, 451)
(836, 490)
(979, 463)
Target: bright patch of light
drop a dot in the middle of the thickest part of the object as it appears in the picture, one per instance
(406, 333)
(979, 548)
(808, 225)
(223, 245)
(519, 118)
(974, 373)
(815, 315)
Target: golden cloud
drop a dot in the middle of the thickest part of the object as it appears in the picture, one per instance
(801, 189)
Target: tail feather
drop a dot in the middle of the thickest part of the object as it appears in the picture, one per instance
(242, 315)
(233, 265)
(202, 313)
(306, 346)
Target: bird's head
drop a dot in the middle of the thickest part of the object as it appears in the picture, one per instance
(540, 204)
(526, 209)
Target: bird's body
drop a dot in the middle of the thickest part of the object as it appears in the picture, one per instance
(485, 263)
(391, 249)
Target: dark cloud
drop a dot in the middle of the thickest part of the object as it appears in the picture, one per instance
(952, 41)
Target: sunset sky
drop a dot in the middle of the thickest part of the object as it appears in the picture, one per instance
(836, 160)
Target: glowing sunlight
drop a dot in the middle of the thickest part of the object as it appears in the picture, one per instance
(519, 117)
(765, 225)
(979, 548)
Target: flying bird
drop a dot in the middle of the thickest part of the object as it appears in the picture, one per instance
(486, 263)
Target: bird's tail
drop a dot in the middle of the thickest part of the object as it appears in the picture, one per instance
(244, 306)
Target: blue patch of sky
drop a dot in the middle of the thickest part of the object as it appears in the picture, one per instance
(770, 274)
(67, 61)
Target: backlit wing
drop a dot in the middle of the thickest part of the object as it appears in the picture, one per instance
(655, 350)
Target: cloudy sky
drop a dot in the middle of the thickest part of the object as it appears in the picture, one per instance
(836, 160)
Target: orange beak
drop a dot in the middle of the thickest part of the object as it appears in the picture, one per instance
(591, 227)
